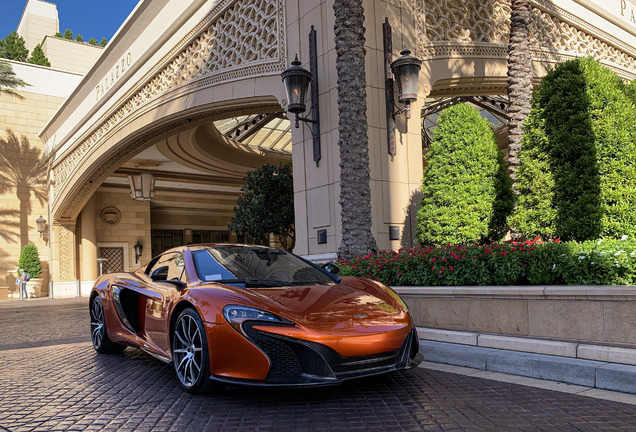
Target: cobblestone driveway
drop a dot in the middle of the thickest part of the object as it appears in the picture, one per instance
(62, 384)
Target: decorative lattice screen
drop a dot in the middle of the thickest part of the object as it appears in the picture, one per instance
(115, 257)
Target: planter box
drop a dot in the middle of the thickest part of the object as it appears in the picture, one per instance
(37, 288)
(603, 315)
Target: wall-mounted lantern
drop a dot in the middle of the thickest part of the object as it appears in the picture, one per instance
(138, 248)
(406, 70)
(41, 225)
(297, 80)
(142, 186)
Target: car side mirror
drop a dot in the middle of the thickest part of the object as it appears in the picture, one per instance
(331, 268)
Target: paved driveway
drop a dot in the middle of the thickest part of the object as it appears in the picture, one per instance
(52, 380)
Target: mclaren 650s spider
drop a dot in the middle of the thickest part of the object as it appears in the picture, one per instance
(252, 315)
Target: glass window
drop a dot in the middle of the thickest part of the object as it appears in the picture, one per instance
(240, 263)
(170, 266)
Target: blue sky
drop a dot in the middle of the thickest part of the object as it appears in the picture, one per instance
(96, 19)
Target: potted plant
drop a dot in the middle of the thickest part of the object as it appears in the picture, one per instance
(30, 261)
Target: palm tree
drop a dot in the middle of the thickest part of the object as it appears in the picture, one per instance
(9, 80)
(355, 191)
(519, 81)
(23, 170)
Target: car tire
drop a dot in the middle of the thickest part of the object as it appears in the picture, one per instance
(99, 333)
(190, 355)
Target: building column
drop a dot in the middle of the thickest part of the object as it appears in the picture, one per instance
(63, 261)
(88, 242)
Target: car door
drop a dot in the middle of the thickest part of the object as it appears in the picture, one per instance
(166, 278)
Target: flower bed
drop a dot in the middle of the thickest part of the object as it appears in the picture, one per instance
(532, 262)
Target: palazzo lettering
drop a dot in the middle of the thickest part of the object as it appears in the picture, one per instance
(627, 11)
(114, 75)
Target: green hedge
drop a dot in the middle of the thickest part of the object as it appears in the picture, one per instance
(466, 190)
(577, 179)
(606, 262)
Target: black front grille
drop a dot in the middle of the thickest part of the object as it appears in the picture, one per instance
(296, 361)
(284, 361)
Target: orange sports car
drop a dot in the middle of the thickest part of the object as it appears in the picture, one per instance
(239, 314)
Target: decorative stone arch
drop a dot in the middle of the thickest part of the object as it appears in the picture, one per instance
(80, 179)
(229, 64)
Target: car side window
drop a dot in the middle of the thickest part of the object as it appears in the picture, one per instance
(176, 268)
(170, 266)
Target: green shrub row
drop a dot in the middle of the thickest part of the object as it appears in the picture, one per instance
(603, 262)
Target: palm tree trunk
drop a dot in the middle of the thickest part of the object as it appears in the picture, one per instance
(355, 191)
(24, 197)
(519, 81)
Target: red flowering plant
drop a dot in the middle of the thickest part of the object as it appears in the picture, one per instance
(452, 265)
(534, 262)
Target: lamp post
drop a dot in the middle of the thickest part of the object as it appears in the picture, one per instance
(142, 186)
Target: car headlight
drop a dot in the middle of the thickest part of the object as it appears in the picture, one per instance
(236, 315)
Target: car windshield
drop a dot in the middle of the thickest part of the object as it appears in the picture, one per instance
(256, 266)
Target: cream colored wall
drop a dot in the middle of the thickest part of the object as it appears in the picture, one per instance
(393, 183)
(25, 118)
(134, 224)
(70, 55)
(45, 93)
(39, 19)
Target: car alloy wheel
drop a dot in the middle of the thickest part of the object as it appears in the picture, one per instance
(99, 335)
(190, 352)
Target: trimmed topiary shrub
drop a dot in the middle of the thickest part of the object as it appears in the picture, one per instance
(30, 261)
(467, 192)
(577, 180)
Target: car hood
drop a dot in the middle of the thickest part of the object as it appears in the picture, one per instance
(354, 301)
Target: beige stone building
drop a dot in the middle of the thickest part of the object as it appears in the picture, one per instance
(191, 92)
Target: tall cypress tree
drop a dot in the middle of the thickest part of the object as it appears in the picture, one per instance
(13, 47)
(577, 180)
(467, 191)
(38, 57)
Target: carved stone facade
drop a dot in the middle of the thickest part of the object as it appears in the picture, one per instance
(236, 40)
(556, 34)
(199, 61)
(467, 21)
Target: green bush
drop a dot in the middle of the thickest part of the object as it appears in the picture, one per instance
(467, 193)
(37, 57)
(267, 205)
(532, 262)
(30, 261)
(576, 178)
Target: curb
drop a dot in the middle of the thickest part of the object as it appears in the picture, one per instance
(588, 373)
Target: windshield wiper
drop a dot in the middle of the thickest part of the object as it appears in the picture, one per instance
(265, 282)
(255, 282)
